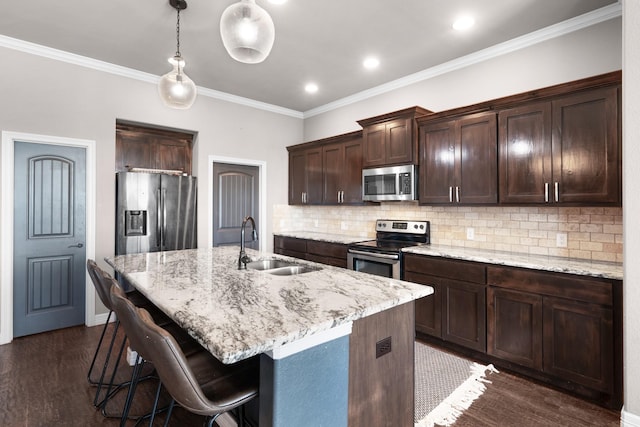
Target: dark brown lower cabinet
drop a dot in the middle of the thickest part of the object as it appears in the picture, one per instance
(562, 329)
(567, 328)
(328, 253)
(514, 323)
(578, 342)
(456, 311)
(381, 386)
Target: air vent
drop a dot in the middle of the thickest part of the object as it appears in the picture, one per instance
(383, 347)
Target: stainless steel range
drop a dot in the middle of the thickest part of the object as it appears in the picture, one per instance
(383, 256)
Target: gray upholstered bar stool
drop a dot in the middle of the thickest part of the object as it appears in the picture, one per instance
(199, 383)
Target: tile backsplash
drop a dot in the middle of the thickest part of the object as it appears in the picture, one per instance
(591, 233)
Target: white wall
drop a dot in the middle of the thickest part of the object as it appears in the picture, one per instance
(48, 97)
(588, 52)
(631, 209)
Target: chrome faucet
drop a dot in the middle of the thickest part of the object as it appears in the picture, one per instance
(243, 259)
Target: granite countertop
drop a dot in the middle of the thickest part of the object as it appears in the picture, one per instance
(607, 270)
(236, 314)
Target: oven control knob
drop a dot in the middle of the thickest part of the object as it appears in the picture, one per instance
(421, 226)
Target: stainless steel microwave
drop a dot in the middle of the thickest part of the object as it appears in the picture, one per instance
(390, 183)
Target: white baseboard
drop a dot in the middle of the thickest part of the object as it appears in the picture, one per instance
(99, 319)
(627, 419)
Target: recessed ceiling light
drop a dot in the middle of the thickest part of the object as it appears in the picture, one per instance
(370, 63)
(463, 23)
(311, 88)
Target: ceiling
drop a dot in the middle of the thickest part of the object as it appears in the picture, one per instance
(324, 41)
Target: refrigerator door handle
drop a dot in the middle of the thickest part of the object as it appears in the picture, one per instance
(164, 218)
(158, 221)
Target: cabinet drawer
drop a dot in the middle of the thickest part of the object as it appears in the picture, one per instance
(578, 288)
(450, 269)
(327, 249)
(290, 244)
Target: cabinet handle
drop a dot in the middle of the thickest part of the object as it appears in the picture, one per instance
(338, 195)
(457, 194)
(556, 191)
(546, 192)
(450, 194)
(341, 196)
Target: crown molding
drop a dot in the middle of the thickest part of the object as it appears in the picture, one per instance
(574, 24)
(95, 64)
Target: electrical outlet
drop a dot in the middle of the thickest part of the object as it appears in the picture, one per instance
(471, 233)
(561, 240)
(132, 356)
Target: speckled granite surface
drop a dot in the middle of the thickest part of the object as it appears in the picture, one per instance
(236, 314)
(608, 270)
(538, 262)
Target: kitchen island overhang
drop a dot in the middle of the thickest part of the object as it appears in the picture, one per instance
(237, 314)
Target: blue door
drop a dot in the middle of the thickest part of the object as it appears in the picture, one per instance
(49, 237)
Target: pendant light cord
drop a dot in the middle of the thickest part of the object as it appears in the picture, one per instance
(178, 34)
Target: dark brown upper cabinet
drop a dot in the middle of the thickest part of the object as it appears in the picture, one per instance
(150, 148)
(305, 176)
(342, 171)
(326, 171)
(565, 150)
(392, 138)
(459, 160)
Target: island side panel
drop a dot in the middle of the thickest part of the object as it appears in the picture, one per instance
(381, 387)
(308, 388)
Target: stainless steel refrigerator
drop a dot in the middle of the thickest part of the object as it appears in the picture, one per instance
(155, 212)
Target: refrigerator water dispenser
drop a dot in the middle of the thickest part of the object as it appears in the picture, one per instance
(135, 223)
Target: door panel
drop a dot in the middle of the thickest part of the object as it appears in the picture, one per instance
(49, 237)
(235, 195)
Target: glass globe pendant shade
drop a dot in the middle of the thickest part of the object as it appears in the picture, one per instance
(176, 89)
(247, 32)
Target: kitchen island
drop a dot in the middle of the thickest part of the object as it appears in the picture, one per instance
(299, 324)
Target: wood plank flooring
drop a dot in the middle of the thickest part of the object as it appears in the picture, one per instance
(43, 383)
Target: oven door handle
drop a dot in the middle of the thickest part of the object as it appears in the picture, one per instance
(373, 256)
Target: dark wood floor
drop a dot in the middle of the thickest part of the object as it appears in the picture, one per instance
(43, 383)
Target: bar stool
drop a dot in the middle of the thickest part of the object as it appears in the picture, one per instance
(199, 383)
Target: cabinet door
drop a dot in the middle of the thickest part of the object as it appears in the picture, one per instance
(132, 150)
(586, 158)
(464, 314)
(399, 141)
(514, 326)
(173, 154)
(429, 308)
(297, 177)
(578, 342)
(305, 176)
(352, 173)
(374, 141)
(525, 153)
(437, 162)
(314, 176)
(477, 172)
(334, 167)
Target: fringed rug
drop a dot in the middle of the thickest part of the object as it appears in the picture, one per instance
(445, 385)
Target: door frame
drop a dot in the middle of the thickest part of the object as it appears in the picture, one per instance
(262, 197)
(6, 224)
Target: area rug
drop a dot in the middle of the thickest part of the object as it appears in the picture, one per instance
(445, 385)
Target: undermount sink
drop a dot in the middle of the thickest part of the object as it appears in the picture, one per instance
(268, 264)
(279, 267)
(292, 269)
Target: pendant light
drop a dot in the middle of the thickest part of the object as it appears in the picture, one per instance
(176, 89)
(247, 32)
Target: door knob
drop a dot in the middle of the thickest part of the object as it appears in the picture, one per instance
(79, 245)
